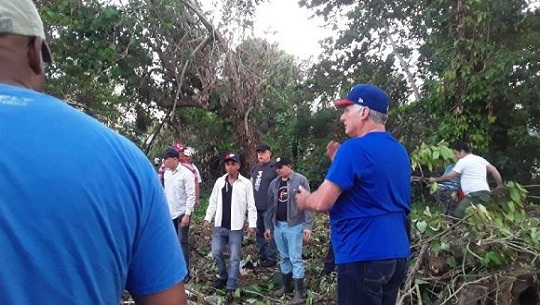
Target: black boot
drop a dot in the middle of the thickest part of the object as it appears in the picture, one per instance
(286, 286)
(298, 291)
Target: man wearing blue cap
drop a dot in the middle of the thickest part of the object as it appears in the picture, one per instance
(367, 192)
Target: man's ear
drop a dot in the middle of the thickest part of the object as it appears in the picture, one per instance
(35, 59)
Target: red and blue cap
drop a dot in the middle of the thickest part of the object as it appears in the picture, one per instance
(179, 147)
(366, 95)
(232, 157)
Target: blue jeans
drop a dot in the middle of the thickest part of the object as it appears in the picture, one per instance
(221, 237)
(183, 237)
(267, 249)
(289, 244)
(371, 282)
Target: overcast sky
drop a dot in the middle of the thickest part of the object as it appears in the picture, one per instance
(284, 22)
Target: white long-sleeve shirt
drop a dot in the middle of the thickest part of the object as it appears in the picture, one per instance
(241, 201)
(179, 188)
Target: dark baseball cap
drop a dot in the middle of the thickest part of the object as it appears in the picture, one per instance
(282, 161)
(263, 148)
(171, 153)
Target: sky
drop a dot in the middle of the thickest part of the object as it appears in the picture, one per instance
(284, 22)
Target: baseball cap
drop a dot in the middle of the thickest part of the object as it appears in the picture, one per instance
(263, 148)
(189, 151)
(232, 157)
(179, 147)
(366, 95)
(282, 161)
(20, 17)
(171, 153)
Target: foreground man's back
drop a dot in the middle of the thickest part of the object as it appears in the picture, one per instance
(82, 214)
(81, 211)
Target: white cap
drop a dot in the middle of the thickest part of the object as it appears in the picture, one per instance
(20, 17)
(189, 151)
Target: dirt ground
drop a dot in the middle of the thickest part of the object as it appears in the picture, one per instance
(257, 283)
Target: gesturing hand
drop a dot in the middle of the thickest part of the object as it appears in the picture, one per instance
(331, 149)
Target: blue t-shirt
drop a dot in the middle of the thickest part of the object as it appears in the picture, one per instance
(452, 185)
(82, 214)
(370, 217)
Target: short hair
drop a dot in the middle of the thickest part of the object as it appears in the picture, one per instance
(378, 117)
(375, 116)
(459, 146)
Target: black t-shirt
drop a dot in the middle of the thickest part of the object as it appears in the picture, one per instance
(283, 199)
(226, 212)
(262, 175)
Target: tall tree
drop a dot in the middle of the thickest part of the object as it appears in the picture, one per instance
(472, 59)
(140, 66)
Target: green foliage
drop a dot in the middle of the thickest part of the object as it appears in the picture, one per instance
(488, 242)
(473, 60)
(431, 156)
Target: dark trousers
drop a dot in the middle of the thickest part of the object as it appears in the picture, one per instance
(183, 238)
(371, 282)
(329, 260)
(474, 198)
(267, 250)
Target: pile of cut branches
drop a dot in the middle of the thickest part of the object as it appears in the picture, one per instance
(491, 256)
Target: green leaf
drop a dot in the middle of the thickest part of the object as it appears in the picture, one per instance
(514, 195)
(427, 211)
(421, 226)
(433, 188)
(451, 261)
(492, 257)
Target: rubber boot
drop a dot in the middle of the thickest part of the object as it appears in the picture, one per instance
(298, 291)
(286, 286)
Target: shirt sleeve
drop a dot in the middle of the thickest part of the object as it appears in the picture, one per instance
(212, 203)
(199, 178)
(252, 210)
(460, 165)
(156, 260)
(189, 186)
(308, 214)
(341, 170)
(268, 225)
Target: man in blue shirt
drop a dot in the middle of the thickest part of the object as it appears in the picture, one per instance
(86, 217)
(447, 192)
(367, 192)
